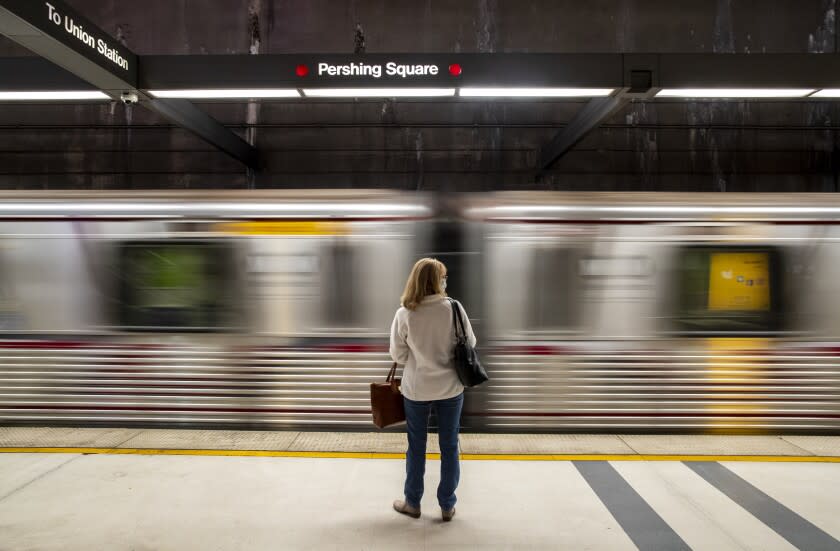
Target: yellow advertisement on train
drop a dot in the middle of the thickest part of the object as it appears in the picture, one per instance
(739, 281)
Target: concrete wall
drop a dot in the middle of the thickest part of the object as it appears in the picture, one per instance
(420, 145)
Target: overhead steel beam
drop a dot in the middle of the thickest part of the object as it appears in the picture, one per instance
(586, 120)
(56, 32)
(748, 70)
(33, 73)
(185, 114)
(449, 70)
(620, 72)
(494, 70)
(59, 34)
(640, 76)
(613, 71)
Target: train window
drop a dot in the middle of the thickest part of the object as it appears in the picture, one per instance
(729, 289)
(553, 278)
(341, 285)
(175, 285)
(9, 317)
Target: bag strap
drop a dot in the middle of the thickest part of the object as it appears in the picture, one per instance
(392, 379)
(456, 319)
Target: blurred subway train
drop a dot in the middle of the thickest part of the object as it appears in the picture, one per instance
(594, 312)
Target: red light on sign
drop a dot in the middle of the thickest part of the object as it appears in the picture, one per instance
(302, 70)
(454, 69)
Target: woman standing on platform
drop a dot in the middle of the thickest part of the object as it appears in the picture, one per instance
(423, 341)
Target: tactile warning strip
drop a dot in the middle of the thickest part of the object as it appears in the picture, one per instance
(212, 439)
(711, 444)
(64, 437)
(544, 443)
(388, 442)
(818, 445)
(484, 445)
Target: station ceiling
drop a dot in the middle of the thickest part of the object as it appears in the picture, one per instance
(451, 144)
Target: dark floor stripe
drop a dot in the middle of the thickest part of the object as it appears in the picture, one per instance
(785, 522)
(644, 526)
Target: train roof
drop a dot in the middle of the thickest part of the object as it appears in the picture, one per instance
(633, 207)
(252, 204)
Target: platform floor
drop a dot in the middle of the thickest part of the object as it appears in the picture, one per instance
(125, 489)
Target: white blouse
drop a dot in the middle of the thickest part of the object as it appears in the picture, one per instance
(423, 340)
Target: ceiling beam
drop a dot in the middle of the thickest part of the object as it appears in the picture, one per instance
(639, 78)
(185, 114)
(450, 70)
(56, 32)
(494, 70)
(614, 71)
(587, 119)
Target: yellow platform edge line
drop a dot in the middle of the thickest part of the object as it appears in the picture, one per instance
(464, 456)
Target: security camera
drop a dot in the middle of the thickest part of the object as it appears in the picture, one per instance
(128, 98)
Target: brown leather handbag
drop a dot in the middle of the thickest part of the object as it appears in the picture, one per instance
(386, 402)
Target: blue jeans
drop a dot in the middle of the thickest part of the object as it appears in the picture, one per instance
(449, 421)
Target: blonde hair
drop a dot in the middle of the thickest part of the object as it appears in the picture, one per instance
(424, 280)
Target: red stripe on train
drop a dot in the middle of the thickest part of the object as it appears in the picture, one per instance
(467, 414)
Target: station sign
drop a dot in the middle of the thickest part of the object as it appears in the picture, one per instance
(445, 70)
(376, 69)
(389, 69)
(59, 21)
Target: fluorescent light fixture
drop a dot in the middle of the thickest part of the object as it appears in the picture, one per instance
(826, 93)
(201, 209)
(53, 96)
(657, 209)
(534, 92)
(227, 94)
(734, 92)
(378, 92)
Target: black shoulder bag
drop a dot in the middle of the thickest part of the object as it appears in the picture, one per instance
(467, 364)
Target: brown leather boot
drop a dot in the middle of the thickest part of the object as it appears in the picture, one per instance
(447, 515)
(401, 506)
